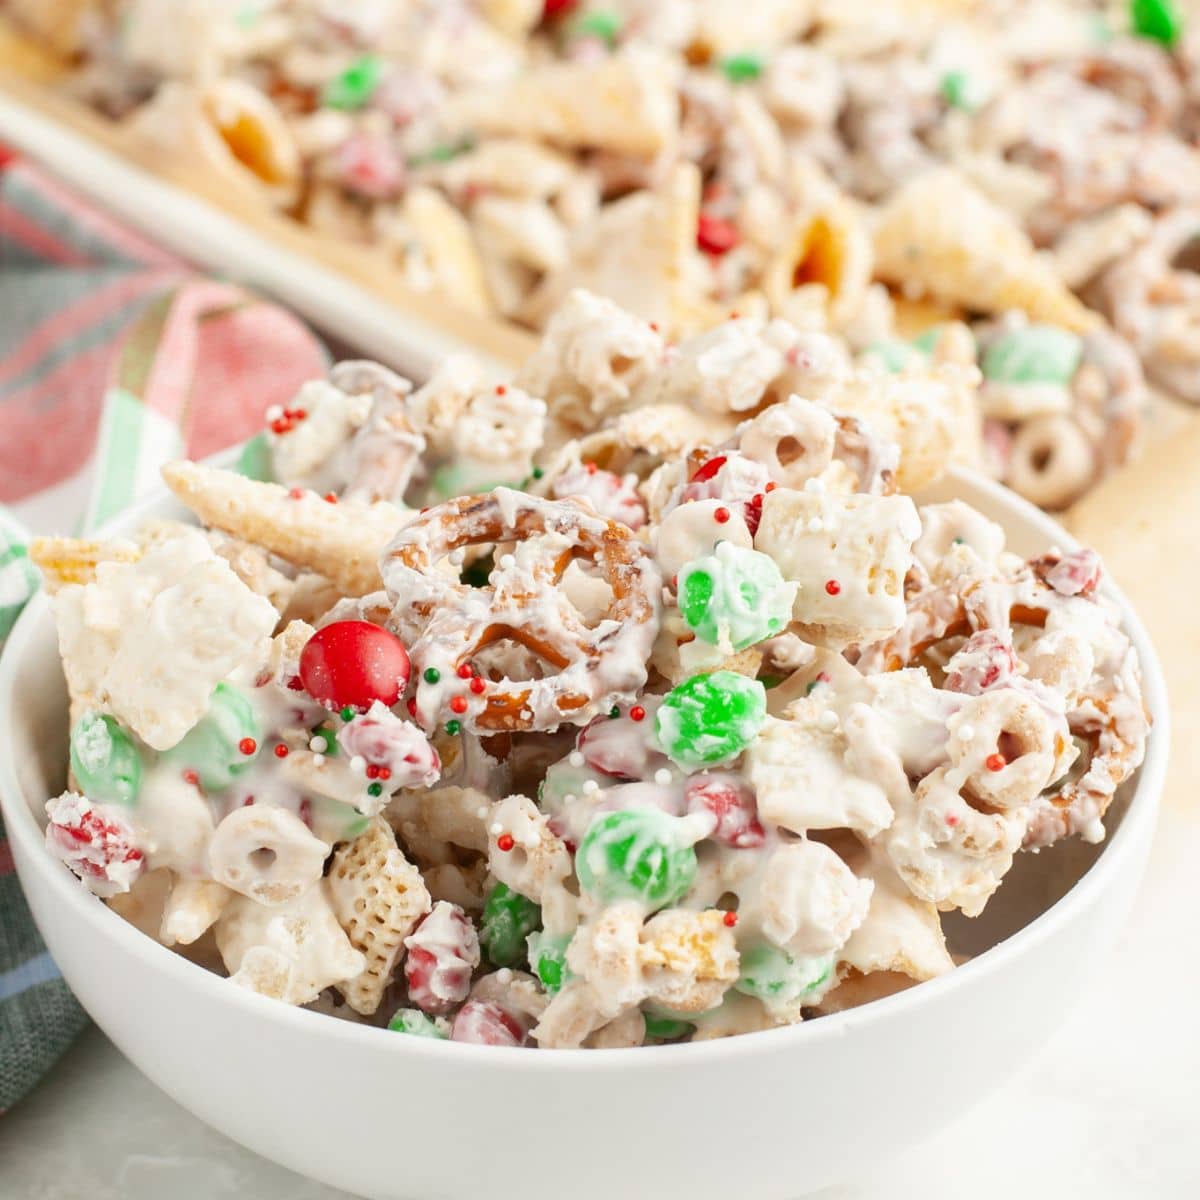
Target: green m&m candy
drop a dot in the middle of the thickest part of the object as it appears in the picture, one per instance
(105, 761)
(734, 597)
(775, 977)
(224, 743)
(635, 854)
(417, 1023)
(508, 919)
(710, 719)
(742, 68)
(666, 1028)
(1159, 20)
(548, 959)
(355, 86)
(1033, 354)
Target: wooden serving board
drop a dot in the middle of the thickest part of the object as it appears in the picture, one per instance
(350, 290)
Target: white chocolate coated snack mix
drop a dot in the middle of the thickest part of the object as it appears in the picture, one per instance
(882, 170)
(678, 729)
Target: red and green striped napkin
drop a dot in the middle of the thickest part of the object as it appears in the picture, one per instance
(115, 356)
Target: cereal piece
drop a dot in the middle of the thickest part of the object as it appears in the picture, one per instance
(291, 953)
(151, 639)
(341, 541)
(378, 898)
(266, 854)
(191, 910)
(849, 554)
(939, 236)
(524, 854)
(64, 561)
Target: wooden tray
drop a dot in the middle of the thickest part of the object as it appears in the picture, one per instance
(348, 290)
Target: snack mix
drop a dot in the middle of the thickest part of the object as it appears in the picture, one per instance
(1028, 166)
(631, 699)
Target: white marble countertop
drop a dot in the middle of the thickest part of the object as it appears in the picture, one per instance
(1110, 1110)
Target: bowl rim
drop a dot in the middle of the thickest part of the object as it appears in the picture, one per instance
(70, 896)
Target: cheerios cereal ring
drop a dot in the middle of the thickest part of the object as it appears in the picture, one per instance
(445, 622)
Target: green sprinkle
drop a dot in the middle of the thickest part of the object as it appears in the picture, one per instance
(603, 25)
(508, 919)
(812, 686)
(666, 1028)
(414, 1022)
(432, 675)
(537, 472)
(956, 90)
(376, 789)
(959, 541)
(452, 727)
(742, 68)
(614, 713)
(355, 86)
(347, 714)
(635, 854)
(1159, 20)
(710, 719)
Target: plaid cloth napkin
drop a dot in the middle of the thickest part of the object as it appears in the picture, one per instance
(114, 357)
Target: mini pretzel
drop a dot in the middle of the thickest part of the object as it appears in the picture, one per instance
(445, 622)
(1110, 718)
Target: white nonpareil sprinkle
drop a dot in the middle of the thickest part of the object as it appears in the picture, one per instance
(816, 486)
(318, 760)
(507, 562)
(317, 744)
(575, 758)
(590, 787)
(457, 557)
(965, 733)
(358, 764)
(495, 829)
(828, 720)
(815, 525)
(662, 777)
(274, 412)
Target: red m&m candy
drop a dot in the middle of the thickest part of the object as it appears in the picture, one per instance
(351, 664)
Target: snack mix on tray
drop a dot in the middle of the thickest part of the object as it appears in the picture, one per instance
(627, 700)
(1028, 166)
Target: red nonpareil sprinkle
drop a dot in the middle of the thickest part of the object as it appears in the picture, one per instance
(637, 713)
(832, 586)
(477, 685)
(505, 842)
(295, 414)
(296, 493)
(192, 777)
(951, 820)
(248, 746)
(249, 800)
(771, 486)
(654, 326)
(412, 706)
(590, 468)
(995, 762)
(730, 919)
(465, 671)
(721, 515)
(330, 498)
(500, 389)
(708, 469)
(733, 316)
(372, 771)
(458, 704)
(281, 751)
(281, 425)
(385, 773)
(715, 235)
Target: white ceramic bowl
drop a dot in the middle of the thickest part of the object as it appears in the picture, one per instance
(768, 1116)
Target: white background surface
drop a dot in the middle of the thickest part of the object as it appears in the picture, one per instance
(1111, 1111)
